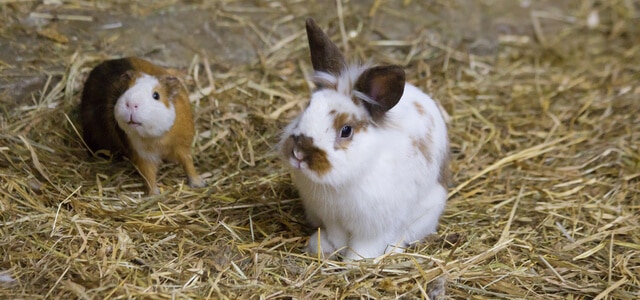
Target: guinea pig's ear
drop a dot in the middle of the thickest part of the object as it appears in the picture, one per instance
(176, 72)
(325, 55)
(382, 88)
(172, 85)
(128, 76)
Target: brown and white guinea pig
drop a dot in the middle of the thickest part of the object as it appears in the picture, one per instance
(134, 108)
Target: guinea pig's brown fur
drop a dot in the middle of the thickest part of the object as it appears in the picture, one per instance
(106, 83)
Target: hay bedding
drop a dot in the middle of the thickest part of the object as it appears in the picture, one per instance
(545, 169)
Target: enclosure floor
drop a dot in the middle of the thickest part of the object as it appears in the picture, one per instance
(544, 125)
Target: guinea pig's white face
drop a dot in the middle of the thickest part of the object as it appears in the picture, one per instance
(145, 109)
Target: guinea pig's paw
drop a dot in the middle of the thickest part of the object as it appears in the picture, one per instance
(154, 191)
(196, 182)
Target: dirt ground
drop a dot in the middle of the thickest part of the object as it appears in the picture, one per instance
(545, 121)
(36, 44)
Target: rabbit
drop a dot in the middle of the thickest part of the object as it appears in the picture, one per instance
(369, 157)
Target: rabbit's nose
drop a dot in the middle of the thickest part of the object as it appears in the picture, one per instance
(302, 146)
(297, 153)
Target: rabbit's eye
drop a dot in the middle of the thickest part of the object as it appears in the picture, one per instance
(346, 131)
(156, 96)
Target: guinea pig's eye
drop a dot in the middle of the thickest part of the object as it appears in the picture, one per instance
(156, 96)
(346, 131)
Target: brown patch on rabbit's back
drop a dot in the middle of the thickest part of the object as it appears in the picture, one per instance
(445, 174)
(422, 146)
(420, 108)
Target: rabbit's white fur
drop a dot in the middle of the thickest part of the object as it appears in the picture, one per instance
(382, 191)
(368, 155)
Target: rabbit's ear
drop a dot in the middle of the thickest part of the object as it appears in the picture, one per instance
(325, 55)
(382, 88)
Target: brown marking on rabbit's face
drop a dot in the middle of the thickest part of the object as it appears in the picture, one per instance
(346, 126)
(286, 147)
(419, 108)
(300, 149)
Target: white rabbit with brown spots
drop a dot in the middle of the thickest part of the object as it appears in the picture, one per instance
(369, 156)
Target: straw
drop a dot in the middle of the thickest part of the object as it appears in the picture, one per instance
(545, 162)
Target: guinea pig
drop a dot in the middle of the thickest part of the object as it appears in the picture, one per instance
(134, 108)
(368, 155)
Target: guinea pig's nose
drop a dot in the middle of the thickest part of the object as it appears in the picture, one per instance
(129, 105)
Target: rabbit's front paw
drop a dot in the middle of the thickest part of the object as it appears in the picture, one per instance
(326, 242)
(365, 247)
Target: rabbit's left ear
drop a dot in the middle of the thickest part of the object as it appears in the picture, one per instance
(325, 55)
(383, 86)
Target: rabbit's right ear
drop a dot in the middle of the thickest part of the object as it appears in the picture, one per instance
(325, 55)
(384, 86)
